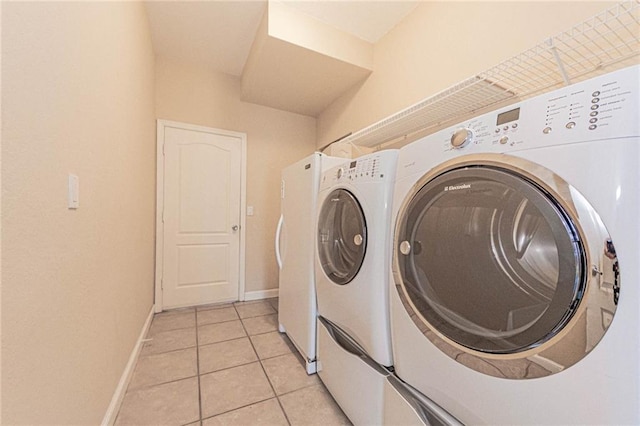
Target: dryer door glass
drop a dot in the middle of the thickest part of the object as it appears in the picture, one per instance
(342, 236)
(489, 259)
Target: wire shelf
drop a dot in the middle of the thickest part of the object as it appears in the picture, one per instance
(603, 43)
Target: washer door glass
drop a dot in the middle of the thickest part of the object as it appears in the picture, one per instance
(342, 236)
(490, 260)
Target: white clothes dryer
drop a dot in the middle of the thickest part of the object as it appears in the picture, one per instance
(352, 272)
(515, 296)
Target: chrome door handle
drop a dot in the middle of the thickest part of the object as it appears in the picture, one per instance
(234, 227)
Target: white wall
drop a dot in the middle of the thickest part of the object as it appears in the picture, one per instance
(77, 97)
(440, 44)
(193, 94)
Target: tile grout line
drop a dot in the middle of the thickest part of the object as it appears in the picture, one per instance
(167, 352)
(204, 345)
(258, 316)
(219, 322)
(303, 387)
(229, 368)
(237, 408)
(286, 417)
(141, 388)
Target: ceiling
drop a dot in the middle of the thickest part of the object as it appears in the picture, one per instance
(368, 20)
(217, 34)
(220, 36)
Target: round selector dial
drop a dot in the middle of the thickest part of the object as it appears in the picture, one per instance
(461, 137)
(340, 173)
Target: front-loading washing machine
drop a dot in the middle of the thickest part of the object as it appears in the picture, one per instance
(515, 296)
(352, 271)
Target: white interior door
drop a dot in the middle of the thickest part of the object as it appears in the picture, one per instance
(202, 187)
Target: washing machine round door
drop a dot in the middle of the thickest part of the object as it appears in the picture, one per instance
(342, 236)
(495, 263)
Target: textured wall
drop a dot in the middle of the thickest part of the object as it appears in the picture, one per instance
(77, 97)
(192, 94)
(441, 43)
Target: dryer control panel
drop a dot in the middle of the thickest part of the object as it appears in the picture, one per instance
(376, 167)
(603, 107)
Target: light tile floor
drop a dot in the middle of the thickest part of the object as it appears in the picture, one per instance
(224, 365)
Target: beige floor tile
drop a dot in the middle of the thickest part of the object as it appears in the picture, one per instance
(214, 306)
(271, 344)
(286, 374)
(172, 320)
(233, 388)
(213, 316)
(166, 367)
(260, 325)
(274, 302)
(213, 333)
(166, 341)
(254, 309)
(231, 353)
(174, 403)
(312, 406)
(265, 413)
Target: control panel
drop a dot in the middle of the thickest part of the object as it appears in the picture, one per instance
(368, 168)
(603, 107)
(363, 169)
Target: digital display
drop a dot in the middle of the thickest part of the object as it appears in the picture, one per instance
(508, 116)
(353, 164)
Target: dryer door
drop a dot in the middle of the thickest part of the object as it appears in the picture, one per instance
(342, 236)
(494, 262)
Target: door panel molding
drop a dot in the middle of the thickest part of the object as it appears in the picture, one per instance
(162, 125)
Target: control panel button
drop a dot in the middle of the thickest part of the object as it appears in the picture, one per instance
(593, 113)
(546, 130)
(593, 127)
(571, 125)
(593, 120)
(595, 94)
(461, 137)
(505, 128)
(595, 106)
(595, 100)
(504, 140)
(340, 173)
(514, 126)
(497, 130)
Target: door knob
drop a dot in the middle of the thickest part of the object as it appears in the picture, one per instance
(235, 227)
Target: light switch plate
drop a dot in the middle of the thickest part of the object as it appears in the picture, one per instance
(249, 210)
(74, 192)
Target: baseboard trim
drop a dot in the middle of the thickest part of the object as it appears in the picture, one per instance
(260, 294)
(110, 416)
